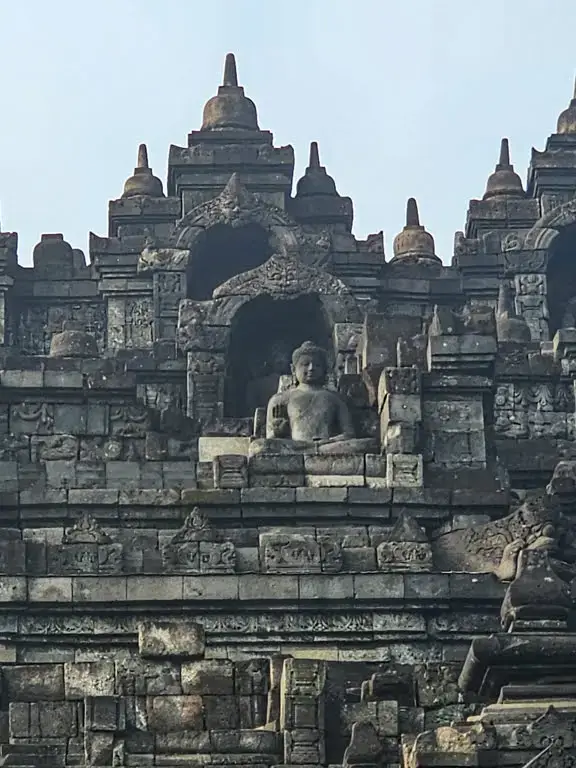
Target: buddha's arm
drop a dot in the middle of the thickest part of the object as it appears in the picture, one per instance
(277, 421)
(345, 424)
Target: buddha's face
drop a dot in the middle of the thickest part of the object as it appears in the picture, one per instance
(310, 369)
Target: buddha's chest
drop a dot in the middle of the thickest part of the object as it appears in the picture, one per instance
(311, 409)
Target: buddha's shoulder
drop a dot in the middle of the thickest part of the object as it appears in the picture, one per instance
(279, 398)
(333, 395)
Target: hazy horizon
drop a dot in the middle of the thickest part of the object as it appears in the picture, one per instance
(404, 99)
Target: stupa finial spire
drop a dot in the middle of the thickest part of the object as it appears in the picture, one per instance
(230, 72)
(412, 215)
(504, 153)
(567, 119)
(314, 161)
(142, 157)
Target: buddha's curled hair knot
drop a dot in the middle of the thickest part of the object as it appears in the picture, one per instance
(310, 348)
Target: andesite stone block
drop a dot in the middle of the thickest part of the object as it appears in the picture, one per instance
(171, 640)
(276, 480)
(210, 676)
(404, 470)
(210, 448)
(92, 678)
(211, 587)
(268, 495)
(264, 587)
(379, 586)
(334, 465)
(174, 713)
(34, 682)
(334, 481)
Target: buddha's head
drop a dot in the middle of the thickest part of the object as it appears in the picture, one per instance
(310, 364)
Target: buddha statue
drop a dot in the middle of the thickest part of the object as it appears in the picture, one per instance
(309, 417)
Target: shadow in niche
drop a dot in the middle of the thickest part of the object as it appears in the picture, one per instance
(562, 281)
(264, 334)
(223, 252)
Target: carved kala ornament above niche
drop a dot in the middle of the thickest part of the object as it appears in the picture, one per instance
(283, 275)
(237, 207)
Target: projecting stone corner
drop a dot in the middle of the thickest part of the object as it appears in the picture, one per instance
(537, 597)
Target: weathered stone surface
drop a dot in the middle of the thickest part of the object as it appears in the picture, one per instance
(293, 552)
(210, 448)
(494, 547)
(90, 678)
(195, 548)
(230, 471)
(105, 713)
(407, 547)
(210, 676)
(34, 682)
(365, 747)
(171, 640)
(404, 470)
(174, 713)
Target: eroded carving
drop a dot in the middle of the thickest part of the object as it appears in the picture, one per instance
(86, 531)
(196, 548)
(290, 552)
(493, 547)
(284, 275)
(407, 547)
(163, 259)
(236, 207)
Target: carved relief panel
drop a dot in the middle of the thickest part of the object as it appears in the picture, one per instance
(532, 303)
(540, 409)
(33, 328)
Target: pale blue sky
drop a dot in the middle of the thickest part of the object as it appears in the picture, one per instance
(404, 97)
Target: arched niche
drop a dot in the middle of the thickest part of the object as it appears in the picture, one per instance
(236, 232)
(263, 335)
(223, 251)
(278, 304)
(561, 273)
